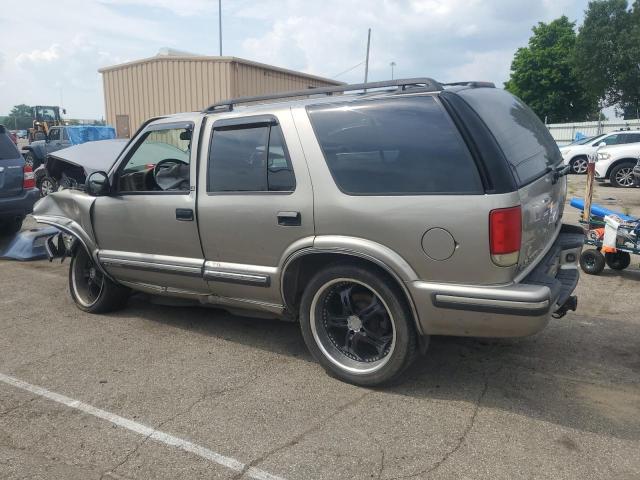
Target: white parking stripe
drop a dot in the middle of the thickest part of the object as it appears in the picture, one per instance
(153, 434)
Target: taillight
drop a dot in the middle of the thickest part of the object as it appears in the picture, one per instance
(505, 235)
(28, 179)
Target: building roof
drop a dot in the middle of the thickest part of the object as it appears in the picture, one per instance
(170, 54)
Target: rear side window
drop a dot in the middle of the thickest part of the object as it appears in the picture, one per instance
(249, 158)
(524, 139)
(394, 146)
(7, 148)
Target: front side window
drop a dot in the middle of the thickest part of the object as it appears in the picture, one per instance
(249, 158)
(612, 140)
(397, 146)
(158, 163)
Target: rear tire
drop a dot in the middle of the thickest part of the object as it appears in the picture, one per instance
(357, 325)
(92, 291)
(592, 262)
(579, 165)
(622, 175)
(617, 260)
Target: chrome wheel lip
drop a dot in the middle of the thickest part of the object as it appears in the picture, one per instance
(80, 297)
(580, 165)
(625, 177)
(338, 358)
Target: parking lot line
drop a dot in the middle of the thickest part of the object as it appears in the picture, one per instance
(151, 433)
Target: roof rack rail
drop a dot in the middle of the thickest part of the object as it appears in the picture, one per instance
(428, 83)
(473, 84)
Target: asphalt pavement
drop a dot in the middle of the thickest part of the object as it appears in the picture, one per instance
(189, 392)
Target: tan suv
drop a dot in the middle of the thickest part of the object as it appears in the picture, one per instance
(375, 219)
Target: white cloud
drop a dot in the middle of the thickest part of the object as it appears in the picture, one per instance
(37, 56)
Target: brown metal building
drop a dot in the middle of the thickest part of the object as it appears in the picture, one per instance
(173, 82)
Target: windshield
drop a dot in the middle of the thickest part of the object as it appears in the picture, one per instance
(584, 141)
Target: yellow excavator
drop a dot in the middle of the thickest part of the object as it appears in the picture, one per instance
(44, 117)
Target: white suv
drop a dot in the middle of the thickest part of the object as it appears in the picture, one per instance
(616, 164)
(576, 154)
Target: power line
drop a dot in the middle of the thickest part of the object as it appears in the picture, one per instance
(348, 70)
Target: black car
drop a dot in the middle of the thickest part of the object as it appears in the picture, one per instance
(17, 186)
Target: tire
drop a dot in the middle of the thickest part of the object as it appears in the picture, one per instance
(90, 290)
(618, 260)
(622, 175)
(11, 226)
(47, 185)
(579, 165)
(30, 159)
(592, 262)
(369, 350)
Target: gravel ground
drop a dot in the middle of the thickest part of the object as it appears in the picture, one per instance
(563, 404)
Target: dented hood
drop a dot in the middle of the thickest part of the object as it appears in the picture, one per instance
(92, 156)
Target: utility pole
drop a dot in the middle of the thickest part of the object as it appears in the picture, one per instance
(393, 64)
(220, 24)
(366, 65)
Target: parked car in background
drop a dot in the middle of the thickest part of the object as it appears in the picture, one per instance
(17, 186)
(13, 137)
(616, 164)
(70, 167)
(576, 154)
(64, 136)
(22, 134)
(340, 212)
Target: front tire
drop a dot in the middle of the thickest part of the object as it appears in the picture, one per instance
(592, 262)
(90, 290)
(622, 175)
(357, 325)
(579, 165)
(47, 186)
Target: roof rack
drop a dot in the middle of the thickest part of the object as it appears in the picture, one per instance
(428, 84)
(472, 84)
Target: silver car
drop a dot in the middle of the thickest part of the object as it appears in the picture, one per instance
(375, 219)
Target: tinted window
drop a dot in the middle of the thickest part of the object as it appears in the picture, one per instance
(249, 158)
(394, 146)
(630, 138)
(524, 139)
(611, 140)
(8, 149)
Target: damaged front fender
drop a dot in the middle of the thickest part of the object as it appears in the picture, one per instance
(70, 211)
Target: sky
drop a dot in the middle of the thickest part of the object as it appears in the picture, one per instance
(50, 52)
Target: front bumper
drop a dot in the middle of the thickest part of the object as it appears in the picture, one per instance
(20, 205)
(513, 310)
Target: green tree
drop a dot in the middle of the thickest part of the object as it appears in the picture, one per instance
(543, 75)
(607, 54)
(20, 117)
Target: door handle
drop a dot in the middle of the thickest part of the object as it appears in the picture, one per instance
(184, 214)
(289, 219)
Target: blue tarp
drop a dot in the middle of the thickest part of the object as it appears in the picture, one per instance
(600, 211)
(90, 133)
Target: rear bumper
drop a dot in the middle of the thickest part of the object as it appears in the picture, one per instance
(513, 310)
(20, 205)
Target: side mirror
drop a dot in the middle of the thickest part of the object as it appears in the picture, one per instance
(98, 184)
(602, 144)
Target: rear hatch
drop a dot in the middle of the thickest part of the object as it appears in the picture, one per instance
(11, 167)
(533, 156)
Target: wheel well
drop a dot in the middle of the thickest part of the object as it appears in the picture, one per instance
(298, 273)
(576, 157)
(618, 162)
